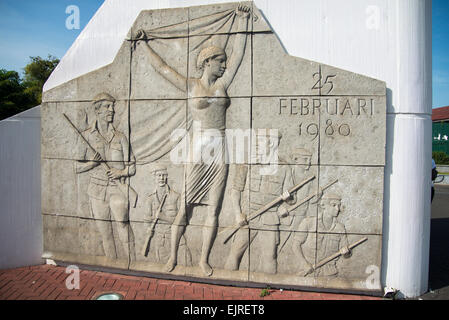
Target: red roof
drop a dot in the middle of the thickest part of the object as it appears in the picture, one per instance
(439, 114)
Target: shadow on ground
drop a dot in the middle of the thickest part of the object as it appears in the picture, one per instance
(439, 254)
(439, 247)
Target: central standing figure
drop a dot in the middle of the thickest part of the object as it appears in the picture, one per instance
(208, 101)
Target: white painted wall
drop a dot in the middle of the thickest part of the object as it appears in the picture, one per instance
(20, 196)
(385, 39)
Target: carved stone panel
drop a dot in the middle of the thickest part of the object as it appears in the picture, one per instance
(167, 122)
(152, 252)
(151, 182)
(278, 74)
(298, 121)
(360, 190)
(225, 260)
(68, 125)
(353, 130)
(206, 151)
(113, 78)
(223, 12)
(267, 183)
(165, 23)
(311, 259)
(241, 84)
(60, 235)
(147, 83)
(59, 187)
(338, 82)
(105, 243)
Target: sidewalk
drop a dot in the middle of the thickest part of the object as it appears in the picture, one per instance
(439, 246)
(46, 282)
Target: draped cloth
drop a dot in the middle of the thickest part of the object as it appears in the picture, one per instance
(205, 181)
(208, 26)
(154, 140)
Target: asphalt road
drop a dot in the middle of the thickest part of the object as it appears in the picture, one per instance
(439, 246)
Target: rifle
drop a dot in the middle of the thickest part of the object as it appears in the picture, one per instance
(334, 256)
(146, 247)
(293, 207)
(125, 189)
(234, 229)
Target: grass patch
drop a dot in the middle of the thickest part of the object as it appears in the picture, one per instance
(265, 292)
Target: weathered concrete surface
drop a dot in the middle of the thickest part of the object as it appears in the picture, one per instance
(202, 72)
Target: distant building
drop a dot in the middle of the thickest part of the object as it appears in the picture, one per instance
(440, 129)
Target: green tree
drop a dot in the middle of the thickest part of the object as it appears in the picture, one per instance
(13, 95)
(440, 157)
(17, 95)
(37, 73)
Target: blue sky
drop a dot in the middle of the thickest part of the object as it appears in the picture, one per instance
(38, 28)
(440, 52)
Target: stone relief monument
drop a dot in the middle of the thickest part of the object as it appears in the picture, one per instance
(205, 150)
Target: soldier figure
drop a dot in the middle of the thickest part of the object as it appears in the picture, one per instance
(107, 190)
(166, 201)
(263, 189)
(332, 238)
(302, 158)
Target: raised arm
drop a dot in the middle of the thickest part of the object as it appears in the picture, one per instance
(242, 13)
(160, 65)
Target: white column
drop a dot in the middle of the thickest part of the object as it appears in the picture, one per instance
(409, 149)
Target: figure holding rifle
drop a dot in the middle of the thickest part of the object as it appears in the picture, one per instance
(312, 247)
(265, 227)
(208, 102)
(106, 155)
(162, 206)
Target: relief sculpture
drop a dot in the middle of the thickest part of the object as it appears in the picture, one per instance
(157, 186)
(162, 206)
(319, 251)
(208, 101)
(112, 163)
(265, 227)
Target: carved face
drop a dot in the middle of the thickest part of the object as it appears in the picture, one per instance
(161, 178)
(216, 65)
(304, 160)
(331, 207)
(106, 111)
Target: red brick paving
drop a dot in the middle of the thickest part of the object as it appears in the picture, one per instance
(46, 282)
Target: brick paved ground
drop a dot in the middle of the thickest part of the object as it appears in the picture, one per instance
(46, 282)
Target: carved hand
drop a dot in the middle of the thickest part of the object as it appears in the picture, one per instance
(241, 220)
(317, 197)
(320, 194)
(308, 269)
(345, 252)
(114, 173)
(140, 35)
(285, 195)
(282, 212)
(97, 157)
(243, 11)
